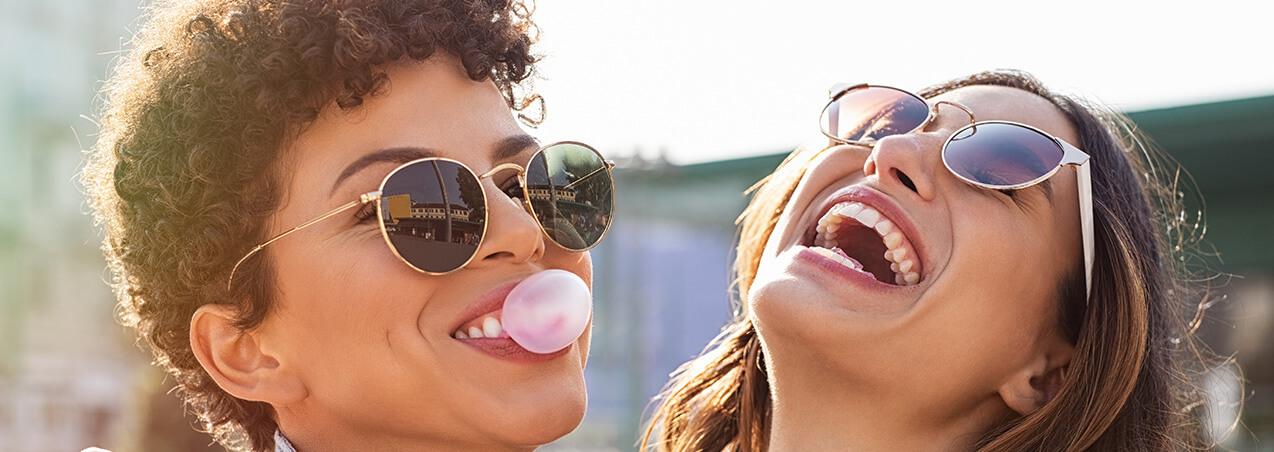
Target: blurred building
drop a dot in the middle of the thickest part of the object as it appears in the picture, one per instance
(66, 368)
(1228, 148)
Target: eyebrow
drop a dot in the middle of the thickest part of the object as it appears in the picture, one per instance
(512, 146)
(504, 150)
(391, 155)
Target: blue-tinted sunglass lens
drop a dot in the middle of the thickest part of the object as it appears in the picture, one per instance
(871, 113)
(1001, 154)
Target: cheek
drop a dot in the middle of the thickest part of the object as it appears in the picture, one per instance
(788, 230)
(360, 308)
(1004, 271)
(345, 282)
(585, 264)
(993, 245)
(346, 263)
(579, 263)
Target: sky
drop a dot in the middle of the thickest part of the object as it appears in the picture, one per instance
(698, 81)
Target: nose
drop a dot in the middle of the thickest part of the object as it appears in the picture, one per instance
(909, 162)
(512, 235)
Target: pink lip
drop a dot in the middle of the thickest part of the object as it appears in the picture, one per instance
(505, 349)
(499, 347)
(886, 206)
(486, 303)
(857, 277)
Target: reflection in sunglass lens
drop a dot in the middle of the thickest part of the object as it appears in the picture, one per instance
(571, 192)
(1000, 154)
(871, 113)
(434, 214)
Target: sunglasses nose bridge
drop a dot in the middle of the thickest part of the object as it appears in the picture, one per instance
(526, 198)
(503, 167)
(522, 185)
(521, 178)
(937, 107)
(513, 233)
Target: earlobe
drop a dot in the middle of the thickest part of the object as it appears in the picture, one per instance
(236, 360)
(1036, 384)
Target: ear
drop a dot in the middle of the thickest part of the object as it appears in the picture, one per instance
(1038, 382)
(236, 360)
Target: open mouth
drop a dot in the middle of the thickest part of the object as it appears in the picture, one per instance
(486, 333)
(486, 326)
(861, 238)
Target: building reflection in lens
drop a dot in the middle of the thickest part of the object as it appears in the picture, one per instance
(433, 215)
(573, 202)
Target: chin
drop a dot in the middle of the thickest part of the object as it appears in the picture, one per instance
(543, 423)
(539, 409)
(801, 321)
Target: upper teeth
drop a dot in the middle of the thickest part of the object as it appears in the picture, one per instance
(899, 251)
(489, 327)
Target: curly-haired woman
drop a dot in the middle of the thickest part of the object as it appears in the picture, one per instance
(315, 210)
(977, 267)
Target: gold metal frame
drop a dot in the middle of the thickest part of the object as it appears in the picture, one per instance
(375, 196)
(607, 166)
(380, 214)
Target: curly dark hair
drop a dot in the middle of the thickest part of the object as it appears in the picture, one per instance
(196, 114)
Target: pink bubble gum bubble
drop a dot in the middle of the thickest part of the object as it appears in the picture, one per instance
(548, 311)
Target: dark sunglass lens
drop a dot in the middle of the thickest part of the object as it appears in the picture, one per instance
(873, 112)
(572, 194)
(1001, 154)
(434, 214)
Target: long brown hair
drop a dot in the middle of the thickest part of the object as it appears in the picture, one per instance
(1133, 380)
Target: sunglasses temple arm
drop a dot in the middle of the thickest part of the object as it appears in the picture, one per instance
(364, 199)
(1085, 182)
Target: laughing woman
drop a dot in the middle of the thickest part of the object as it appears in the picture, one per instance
(324, 218)
(976, 267)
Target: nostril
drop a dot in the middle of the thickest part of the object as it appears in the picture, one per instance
(904, 179)
(498, 255)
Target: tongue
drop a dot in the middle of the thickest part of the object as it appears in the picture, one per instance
(854, 262)
(548, 311)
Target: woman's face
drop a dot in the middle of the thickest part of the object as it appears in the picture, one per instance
(987, 267)
(370, 338)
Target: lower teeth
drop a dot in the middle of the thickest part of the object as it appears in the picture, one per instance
(839, 255)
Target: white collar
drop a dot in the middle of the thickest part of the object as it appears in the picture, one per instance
(281, 444)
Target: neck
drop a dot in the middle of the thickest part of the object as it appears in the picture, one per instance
(813, 412)
(314, 435)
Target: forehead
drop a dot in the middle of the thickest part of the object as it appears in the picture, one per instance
(990, 102)
(431, 104)
(427, 106)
